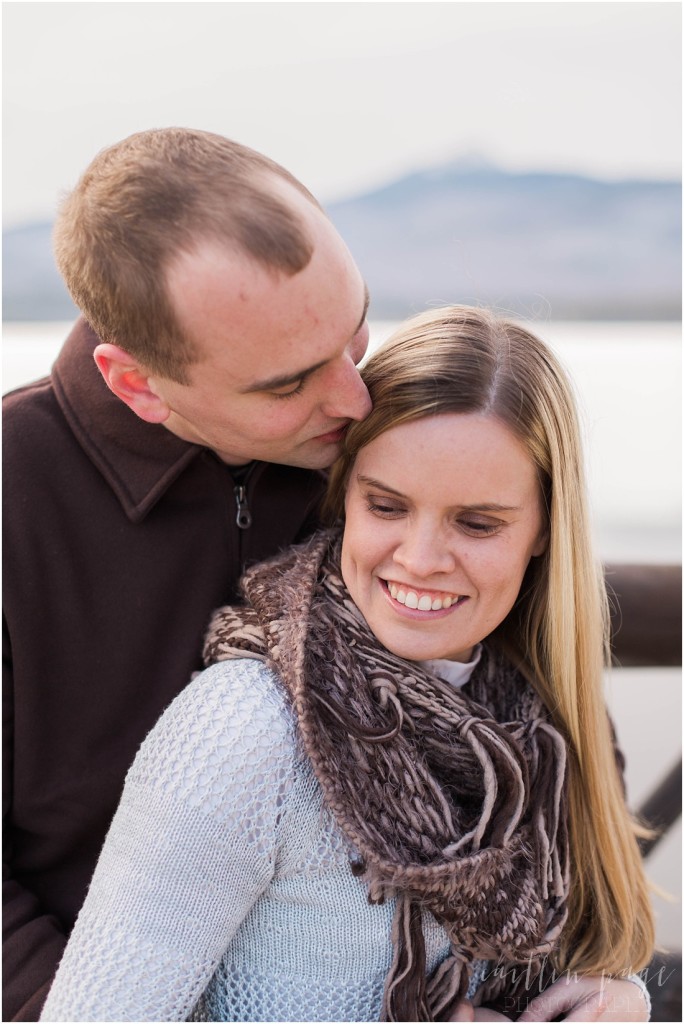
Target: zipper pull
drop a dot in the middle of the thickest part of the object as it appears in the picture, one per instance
(244, 516)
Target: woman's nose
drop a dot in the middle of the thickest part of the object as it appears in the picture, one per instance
(425, 551)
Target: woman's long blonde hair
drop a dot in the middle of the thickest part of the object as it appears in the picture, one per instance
(463, 360)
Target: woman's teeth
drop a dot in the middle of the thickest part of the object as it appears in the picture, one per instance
(424, 603)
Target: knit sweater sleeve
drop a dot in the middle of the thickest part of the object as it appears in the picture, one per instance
(190, 849)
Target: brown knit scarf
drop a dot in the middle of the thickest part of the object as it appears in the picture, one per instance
(453, 800)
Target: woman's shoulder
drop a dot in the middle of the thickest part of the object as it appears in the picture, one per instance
(231, 722)
(237, 686)
(229, 694)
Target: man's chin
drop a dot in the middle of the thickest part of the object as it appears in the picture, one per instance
(316, 455)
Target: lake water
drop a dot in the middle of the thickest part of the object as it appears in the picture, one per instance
(628, 379)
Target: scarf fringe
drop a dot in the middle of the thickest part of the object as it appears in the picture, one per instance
(447, 985)
(405, 997)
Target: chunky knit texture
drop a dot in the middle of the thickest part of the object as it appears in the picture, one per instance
(223, 892)
(453, 803)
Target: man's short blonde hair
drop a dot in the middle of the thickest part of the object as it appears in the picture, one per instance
(149, 198)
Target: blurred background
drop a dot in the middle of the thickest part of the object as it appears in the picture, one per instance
(520, 155)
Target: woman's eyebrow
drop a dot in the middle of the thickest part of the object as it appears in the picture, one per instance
(490, 506)
(370, 481)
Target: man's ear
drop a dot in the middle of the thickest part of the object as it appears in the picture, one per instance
(130, 382)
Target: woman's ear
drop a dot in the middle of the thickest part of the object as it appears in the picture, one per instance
(125, 377)
(542, 542)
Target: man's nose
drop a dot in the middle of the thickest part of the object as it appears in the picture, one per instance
(347, 397)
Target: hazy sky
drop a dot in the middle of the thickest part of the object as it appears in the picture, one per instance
(346, 95)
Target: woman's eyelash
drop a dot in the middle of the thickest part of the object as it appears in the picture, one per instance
(483, 529)
(381, 508)
(384, 508)
(388, 511)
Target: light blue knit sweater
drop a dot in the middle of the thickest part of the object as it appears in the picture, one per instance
(223, 891)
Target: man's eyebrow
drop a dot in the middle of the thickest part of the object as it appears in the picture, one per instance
(273, 383)
(490, 506)
(366, 304)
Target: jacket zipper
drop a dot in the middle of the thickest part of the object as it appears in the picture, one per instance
(243, 517)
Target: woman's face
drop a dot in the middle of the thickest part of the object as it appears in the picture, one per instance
(442, 517)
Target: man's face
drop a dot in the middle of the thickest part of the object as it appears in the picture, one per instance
(276, 379)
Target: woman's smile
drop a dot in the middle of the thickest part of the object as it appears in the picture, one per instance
(416, 599)
(442, 517)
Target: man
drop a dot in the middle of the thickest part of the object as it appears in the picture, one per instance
(180, 439)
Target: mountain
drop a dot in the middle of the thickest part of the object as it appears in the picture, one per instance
(557, 245)
(32, 288)
(554, 245)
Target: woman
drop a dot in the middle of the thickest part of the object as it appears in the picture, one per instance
(396, 786)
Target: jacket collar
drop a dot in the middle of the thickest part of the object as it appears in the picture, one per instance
(138, 460)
